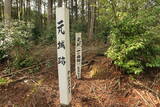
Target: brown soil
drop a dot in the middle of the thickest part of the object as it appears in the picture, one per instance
(110, 89)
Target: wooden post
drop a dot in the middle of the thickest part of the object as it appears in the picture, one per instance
(78, 55)
(63, 53)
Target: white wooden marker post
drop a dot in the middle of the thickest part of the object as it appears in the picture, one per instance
(63, 55)
(78, 55)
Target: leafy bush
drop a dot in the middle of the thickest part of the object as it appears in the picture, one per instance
(3, 43)
(15, 42)
(135, 41)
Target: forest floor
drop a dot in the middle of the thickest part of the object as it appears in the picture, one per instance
(109, 88)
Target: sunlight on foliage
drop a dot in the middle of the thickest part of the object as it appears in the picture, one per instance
(135, 38)
(17, 37)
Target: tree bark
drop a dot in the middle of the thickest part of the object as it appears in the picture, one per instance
(60, 2)
(82, 11)
(16, 9)
(76, 9)
(28, 10)
(20, 9)
(0, 12)
(71, 10)
(7, 12)
(66, 3)
(39, 3)
(50, 7)
(92, 20)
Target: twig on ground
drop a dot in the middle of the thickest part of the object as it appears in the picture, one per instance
(137, 104)
(24, 69)
(143, 86)
(97, 87)
(97, 97)
(142, 97)
(151, 99)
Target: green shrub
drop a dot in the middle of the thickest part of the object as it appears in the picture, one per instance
(135, 41)
(16, 43)
(3, 51)
(49, 35)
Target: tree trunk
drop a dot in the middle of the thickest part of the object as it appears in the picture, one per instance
(39, 3)
(65, 2)
(54, 9)
(20, 9)
(28, 10)
(60, 2)
(72, 10)
(24, 10)
(92, 20)
(7, 12)
(82, 11)
(76, 9)
(0, 12)
(16, 9)
(50, 7)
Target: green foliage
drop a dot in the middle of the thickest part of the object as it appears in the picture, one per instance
(3, 81)
(16, 43)
(135, 41)
(49, 35)
(3, 51)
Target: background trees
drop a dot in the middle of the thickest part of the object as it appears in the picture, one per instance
(7, 11)
(122, 23)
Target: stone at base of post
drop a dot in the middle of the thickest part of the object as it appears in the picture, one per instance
(62, 105)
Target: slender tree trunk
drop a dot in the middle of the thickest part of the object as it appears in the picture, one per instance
(28, 9)
(60, 2)
(82, 11)
(20, 9)
(54, 9)
(0, 12)
(50, 7)
(88, 16)
(24, 10)
(39, 3)
(76, 9)
(92, 20)
(66, 3)
(16, 9)
(7, 11)
(72, 10)
(44, 18)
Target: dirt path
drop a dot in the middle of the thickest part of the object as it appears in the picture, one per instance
(110, 89)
